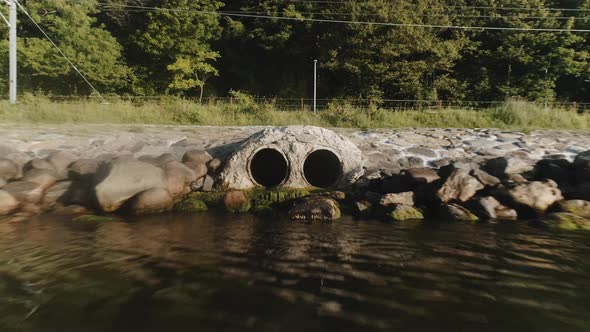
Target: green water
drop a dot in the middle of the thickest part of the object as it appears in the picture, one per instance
(223, 272)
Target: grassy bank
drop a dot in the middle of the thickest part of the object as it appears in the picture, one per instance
(510, 115)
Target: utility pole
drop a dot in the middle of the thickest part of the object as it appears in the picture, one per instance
(315, 85)
(12, 51)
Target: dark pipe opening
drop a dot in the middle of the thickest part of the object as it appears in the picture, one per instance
(322, 168)
(269, 168)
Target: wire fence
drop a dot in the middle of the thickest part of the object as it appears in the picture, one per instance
(322, 104)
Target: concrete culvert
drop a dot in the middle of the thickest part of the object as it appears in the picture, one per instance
(332, 160)
(322, 168)
(269, 168)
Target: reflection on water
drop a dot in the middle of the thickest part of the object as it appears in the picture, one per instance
(234, 273)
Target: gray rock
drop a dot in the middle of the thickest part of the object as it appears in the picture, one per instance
(536, 195)
(38, 164)
(153, 200)
(164, 159)
(61, 160)
(8, 203)
(83, 169)
(8, 169)
(121, 179)
(422, 175)
(492, 209)
(197, 156)
(200, 169)
(363, 206)
(43, 177)
(459, 186)
(56, 195)
(485, 178)
(406, 198)
(508, 165)
(315, 208)
(456, 212)
(208, 183)
(24, 192)
(214, 165)
(197, 185)
(422, 152)
(2, 182)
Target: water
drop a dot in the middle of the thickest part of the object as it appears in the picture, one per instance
(220, 272)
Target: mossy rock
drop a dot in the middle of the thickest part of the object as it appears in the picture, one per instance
(190, 205)
(566, 221)
(265, 197)
(95, 218)
(405, 212)
(456, 212)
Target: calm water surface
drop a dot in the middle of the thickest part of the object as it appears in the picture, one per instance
(220, 272)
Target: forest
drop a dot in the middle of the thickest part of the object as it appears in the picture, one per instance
(463, 50)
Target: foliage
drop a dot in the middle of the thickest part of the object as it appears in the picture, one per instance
(184, 48)
(514, 114)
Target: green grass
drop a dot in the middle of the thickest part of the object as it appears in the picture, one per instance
(510, 115)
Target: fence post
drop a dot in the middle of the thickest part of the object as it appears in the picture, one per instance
(302, 105)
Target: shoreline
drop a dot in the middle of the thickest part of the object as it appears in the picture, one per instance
(425, 173)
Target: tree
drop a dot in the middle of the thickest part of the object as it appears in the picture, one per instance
(90, 47)
(169, 45)
(524, 64)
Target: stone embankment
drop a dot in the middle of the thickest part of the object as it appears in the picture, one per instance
(307, 172)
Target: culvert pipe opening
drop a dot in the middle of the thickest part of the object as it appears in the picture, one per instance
(322, 168)
(269, 167)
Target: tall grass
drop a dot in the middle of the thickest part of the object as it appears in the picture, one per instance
(246, 112)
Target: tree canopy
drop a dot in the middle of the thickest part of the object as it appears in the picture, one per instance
(392, 49)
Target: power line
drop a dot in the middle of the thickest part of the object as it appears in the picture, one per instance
(303, 19)
(59, 50)
(463, 6)
(106, 9)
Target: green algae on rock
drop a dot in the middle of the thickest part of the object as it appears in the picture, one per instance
(566, 221)
(95, 218)
(403, 212)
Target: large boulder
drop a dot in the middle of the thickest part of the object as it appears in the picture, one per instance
(83, 169)
(460, 185)
(8, 203)
(121, 179)
(315, 208)
(536, 195)
(8, 169)
(179, 178)
(25, 192)
(197, 156)
(153, 200)
(43, 177)
(61, 160)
